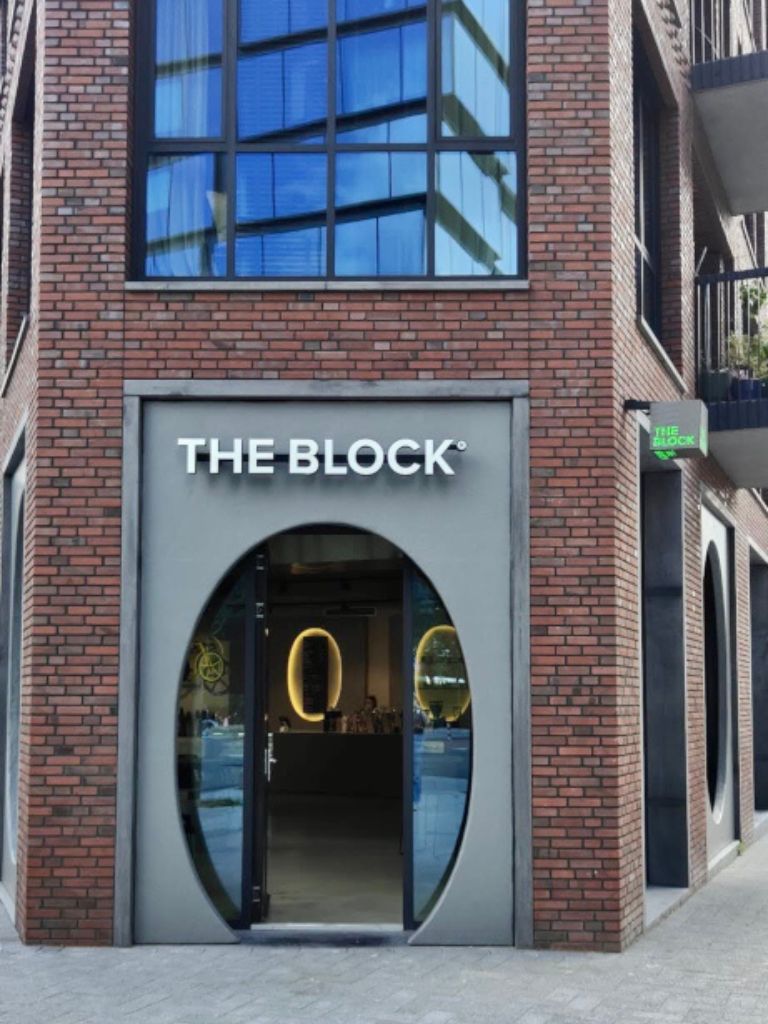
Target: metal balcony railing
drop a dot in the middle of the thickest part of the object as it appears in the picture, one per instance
(710, 30)
(732, 335)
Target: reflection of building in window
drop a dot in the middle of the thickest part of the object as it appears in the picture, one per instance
(186, 216)
(475, 72)
(273, 179)
(647, 108)
(14, 596)
(442, 687)
(476, 213)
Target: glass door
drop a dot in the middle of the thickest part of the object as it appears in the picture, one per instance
(437, 724)
(222, 746)
(259, 752)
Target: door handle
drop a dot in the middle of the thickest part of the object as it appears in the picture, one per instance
(269, 758)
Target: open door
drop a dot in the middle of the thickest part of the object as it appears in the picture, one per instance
(259, 759)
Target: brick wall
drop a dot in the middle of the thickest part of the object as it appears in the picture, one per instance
(572, 334)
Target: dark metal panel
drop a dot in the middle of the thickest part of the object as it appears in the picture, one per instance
(715, 74)
(664, 701)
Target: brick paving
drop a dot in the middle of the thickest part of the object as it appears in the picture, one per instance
(707, 962)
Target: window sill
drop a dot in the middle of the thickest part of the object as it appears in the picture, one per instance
(367, 285)
(662, 355)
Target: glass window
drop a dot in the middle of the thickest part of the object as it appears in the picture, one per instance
(475, 68)
(357, 10)
(270, 19)
(380, 214)
(210, 747)
(188, 68)
(647, 195)
(11, 689)
(350, 84)
(282, 90)
(186, 216)
(281, 199)
(382, 77)
(476, 229)
(442, 745)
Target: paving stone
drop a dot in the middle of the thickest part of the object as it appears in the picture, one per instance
(706, 964)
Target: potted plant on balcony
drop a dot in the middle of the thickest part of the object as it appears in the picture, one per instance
(748, 356)
(748, 351)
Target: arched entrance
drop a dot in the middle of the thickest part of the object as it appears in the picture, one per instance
(324, 735)
(188, 525)
(719, 698)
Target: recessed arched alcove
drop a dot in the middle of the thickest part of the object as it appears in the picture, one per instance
(324, 735)
(715, 679)
(719, 693)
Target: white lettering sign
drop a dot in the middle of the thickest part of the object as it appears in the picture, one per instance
(306, 457)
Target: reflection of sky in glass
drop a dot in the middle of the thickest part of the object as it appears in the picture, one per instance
(382, 69)
(475, 70)
(352, 10)
(281, 89)
(363, 177)
(285, 187)
(188, 49)
(295, 253)
(380, 96)
(268, 19)
(386, 237)
(476, 230)
(220, 807)
(441, 768)
(411, 128)
(273, 185)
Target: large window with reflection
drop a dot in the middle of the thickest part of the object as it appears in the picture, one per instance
(329, 138)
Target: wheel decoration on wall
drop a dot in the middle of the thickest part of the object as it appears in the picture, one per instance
(210, 665)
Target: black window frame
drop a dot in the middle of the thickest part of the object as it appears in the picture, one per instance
(145, 145)
(647, 116)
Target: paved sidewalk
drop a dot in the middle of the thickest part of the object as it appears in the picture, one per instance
(706, 964)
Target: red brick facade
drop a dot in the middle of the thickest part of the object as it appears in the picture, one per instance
(572, 332)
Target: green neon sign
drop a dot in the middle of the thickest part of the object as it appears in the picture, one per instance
(679, 430)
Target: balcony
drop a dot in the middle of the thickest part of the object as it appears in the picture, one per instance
(732, 338)
(730, 93)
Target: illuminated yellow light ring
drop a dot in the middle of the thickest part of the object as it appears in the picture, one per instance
(419, 675)
(296, 681)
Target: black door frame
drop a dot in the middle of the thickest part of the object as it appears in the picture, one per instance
(409, 923)
(254, 903)
(254, 893)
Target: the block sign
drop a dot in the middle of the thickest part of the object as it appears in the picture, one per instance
(679, 430)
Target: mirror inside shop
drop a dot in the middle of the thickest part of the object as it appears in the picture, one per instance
(321, 639)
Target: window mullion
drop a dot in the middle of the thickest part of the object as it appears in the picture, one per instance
(330, 235)
(433, 131)
(231, 40)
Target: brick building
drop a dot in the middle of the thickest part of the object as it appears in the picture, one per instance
(320, 323)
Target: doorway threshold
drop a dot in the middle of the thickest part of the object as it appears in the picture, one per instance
(661, 900)
(325, 935)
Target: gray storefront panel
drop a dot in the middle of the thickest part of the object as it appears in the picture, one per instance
(457, 529)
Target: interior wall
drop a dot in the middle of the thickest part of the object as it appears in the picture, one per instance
(351, 634)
